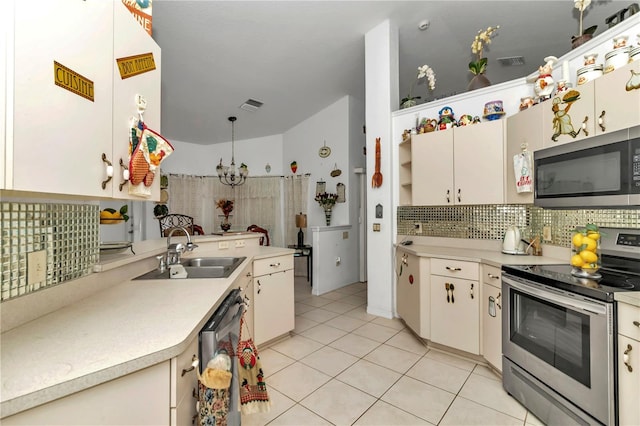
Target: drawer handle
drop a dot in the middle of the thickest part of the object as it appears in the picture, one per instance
(258, 286)
(448, 197)
(447, 288)
(636, 323)
(275, 265)
(125, 174)
(494, 277)
(626, 358)
(194, 363)
(472, 290)
(498, 301)
(109, 170)
(459, 195)
(449, 268)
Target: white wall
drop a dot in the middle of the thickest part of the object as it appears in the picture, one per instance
(381, 78)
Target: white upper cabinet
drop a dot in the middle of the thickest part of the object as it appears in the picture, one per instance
(63, 98)
(459, 166)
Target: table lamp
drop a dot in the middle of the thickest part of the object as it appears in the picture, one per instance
(301, 222)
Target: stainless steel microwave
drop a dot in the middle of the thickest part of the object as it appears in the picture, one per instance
(602, 171)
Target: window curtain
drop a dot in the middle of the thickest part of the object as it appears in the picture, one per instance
(258, 201)
(296, 190)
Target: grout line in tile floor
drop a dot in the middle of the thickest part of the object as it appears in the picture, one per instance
(314, 400)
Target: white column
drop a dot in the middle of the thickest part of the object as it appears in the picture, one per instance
(381, 79)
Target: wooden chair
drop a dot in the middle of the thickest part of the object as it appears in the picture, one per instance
(264, 240)
(170, 221)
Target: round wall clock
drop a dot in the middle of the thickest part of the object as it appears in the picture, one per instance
(325, 151)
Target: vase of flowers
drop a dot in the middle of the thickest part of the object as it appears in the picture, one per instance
(227, 207)
(586, 34)
(479, 66)
(423, 72)
(327, 200)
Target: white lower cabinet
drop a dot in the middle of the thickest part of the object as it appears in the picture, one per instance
(184, 385)
(491, 316)
(273, 307)
(455, 296)
(140, 398)
(628, 364)
(412, 292)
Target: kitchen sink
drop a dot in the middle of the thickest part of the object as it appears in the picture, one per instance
(200, 267)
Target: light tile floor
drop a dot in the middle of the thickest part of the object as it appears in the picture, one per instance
(343, 366)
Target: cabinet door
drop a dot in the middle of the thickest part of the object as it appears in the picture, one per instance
(524, 131)
(478, 160)
(131, 39)
(616, 107)
(492, 325)
(564, 122)
(432, 169)
(412, 293)
(59, 137)
(628, 381)
(273, 308)
(454, 313)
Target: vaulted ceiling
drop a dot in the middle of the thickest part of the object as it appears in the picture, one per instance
(299, 57)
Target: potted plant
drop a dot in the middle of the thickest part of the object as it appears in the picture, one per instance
(327, 200)
(583, 35)
(423, 71)
(227, 207)
(479, 66)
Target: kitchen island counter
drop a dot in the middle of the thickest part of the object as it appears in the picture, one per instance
(124, 328)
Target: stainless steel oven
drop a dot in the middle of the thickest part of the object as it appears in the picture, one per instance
(561, 346)
(559, 333)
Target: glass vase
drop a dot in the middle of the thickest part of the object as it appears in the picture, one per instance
(327, 215)
(225, 225)
(585, 255)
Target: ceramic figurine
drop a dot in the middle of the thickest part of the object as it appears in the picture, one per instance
(543, 85)
(447, 119)
(493, 110)
(590, 59)
(620, 41)
(464, 120)
(427, 125)
(526, 102)
(476, 120)
(562, 87)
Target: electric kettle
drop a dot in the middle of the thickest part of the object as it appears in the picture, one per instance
(511, 241)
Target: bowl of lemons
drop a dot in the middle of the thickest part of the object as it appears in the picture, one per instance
(111, 216)
(585, 252)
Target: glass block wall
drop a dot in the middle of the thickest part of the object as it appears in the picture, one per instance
(68, 233)
(489, 222)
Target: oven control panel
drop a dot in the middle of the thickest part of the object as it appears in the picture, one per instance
(628, 239)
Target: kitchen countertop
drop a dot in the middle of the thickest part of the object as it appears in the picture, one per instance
(111, 333)
(490, 257)
(629, 297)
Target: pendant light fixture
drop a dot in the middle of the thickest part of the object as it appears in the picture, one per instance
(227, 174)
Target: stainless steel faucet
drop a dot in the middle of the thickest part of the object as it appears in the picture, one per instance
(174, 251)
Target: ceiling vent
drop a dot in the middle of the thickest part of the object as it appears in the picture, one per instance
(510, 61)
(251, 105)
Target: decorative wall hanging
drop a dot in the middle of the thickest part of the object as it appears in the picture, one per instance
(267, 168)
(340, 190)
(148, 149)
(376, 179)
(321, 186)
(324, 151)
(294, 166)
(336, 171)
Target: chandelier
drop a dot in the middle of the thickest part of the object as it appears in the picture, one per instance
(227, 174)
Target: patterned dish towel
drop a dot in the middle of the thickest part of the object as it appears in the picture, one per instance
(253, 389)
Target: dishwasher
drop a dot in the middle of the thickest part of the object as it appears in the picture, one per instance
(220, 335)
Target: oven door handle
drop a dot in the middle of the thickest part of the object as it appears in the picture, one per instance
(555, 296)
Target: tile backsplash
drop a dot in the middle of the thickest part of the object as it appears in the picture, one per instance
(490, 221)
(68, 233)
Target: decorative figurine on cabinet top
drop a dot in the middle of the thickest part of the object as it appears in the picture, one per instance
(447, 119)
(543, 84)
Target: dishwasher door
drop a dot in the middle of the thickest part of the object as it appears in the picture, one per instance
(220, 335)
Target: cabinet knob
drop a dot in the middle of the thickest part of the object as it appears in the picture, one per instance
(493, 277)
(454, 269)
(194, 363)
(108, 169)
(125, 175)
(636, 323)
(601, 121)
(626, 357)
(584, 126)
